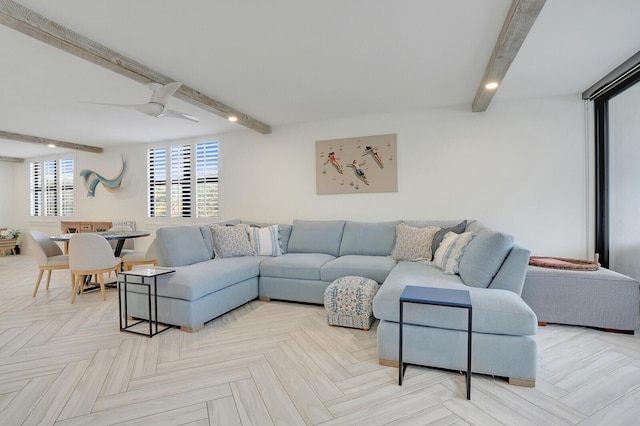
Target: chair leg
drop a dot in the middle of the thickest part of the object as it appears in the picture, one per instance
(73, 278)
(38, 282)
(75, 288)
(48, 278)
(102, 289)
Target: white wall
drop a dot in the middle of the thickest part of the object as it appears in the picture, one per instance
(7, 197)
(519, 167)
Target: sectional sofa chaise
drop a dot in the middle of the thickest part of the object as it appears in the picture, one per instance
(216, 272)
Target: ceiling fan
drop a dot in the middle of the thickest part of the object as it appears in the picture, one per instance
(157, 105)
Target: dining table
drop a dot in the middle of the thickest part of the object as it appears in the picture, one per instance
(119, 236)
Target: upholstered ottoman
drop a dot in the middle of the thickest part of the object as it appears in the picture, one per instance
(348, 302)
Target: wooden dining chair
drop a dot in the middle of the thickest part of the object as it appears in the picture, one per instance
(140, 258)
(90, 254)
(49, 257)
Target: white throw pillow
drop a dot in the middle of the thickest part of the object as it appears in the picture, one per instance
(450, 252)
(265, 241)
(413, 244)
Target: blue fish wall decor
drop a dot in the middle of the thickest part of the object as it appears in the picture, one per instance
(92, 179)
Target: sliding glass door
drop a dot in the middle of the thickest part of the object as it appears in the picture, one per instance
(624, 181)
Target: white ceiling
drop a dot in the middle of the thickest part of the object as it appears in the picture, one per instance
(291, 61)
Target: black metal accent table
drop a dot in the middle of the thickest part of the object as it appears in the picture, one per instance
(123, 282)
(441, 297)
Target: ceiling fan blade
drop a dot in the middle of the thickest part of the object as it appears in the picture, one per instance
(152, 109)
(161, 94)
(178, 114)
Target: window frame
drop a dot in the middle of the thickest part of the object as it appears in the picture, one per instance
(616, 82)
(61, 191)
(172, 208)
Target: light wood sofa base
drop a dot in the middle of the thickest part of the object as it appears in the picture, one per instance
(192, 329)
(511, 380)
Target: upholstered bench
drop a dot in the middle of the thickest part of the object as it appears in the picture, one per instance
(601, 299)
(348, 302)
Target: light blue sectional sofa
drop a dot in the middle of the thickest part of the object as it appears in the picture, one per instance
(316, 253)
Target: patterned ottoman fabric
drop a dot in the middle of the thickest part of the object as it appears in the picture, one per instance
(348, 302)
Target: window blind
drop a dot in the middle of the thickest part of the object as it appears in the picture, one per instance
(207, 190)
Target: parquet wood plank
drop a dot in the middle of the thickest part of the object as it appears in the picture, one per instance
(85, 394)
(223, 412)
(278, 403)
(26, 399)
(52, 402)
(251, 408)
(302, 395)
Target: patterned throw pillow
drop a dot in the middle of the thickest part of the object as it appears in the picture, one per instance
(265, 241)
(413, 244)
(450, 252)
(231, 241)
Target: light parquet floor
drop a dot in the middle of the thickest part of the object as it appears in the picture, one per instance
(274, 363)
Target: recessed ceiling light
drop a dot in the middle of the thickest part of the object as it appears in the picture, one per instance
(233, 118)
(51, 145)
(491, 86)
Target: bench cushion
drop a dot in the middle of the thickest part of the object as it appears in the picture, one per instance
(316, 236)
(304, 266)
(374, 267)
(370, 239)
(192, 282)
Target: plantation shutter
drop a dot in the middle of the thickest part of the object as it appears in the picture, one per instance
(207, 189)
(157, 180)
(66, 187)
(50, 188)
(181, 181)
(36, 187)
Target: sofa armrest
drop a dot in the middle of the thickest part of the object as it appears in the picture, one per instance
(511, 274)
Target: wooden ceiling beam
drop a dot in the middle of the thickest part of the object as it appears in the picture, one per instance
(18, 17)
(520, 18)
(12, 159)
(18, 137)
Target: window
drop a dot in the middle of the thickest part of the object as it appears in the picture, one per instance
(184, 193)
(207, 195)
(613, 84)
(51, 187)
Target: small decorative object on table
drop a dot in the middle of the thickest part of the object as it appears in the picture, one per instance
(123, 283)
(348, 302)
(8, 240)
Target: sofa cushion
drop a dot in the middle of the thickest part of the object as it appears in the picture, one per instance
(265, 241)
(413, 244)
(437, 239)
(206, 233)
(370, 239)
(285, 234)
(494, 311)
(448, 255)
(375, 267)
(483, 257)
(315, 236)
(438, 223)
(231, 241)
(181, 245)
(192, 282)
(295, 265)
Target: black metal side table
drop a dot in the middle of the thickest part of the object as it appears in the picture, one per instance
(442, 297)
(123, 283)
